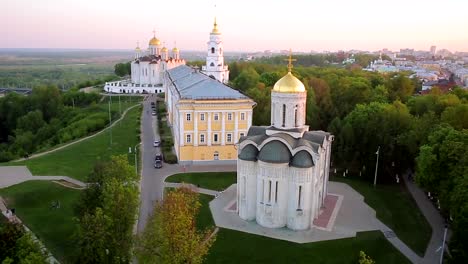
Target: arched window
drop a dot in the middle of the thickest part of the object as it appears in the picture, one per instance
(212, 50)
(295, 116)
(299, 198)
(216, 155)
(284, 115)
(212, 64)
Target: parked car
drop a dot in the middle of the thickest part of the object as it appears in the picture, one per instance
(153, 113)
(158, 157)
(156, 143)
(158, 164)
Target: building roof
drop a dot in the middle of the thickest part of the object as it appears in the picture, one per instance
(192, 84)
(277, 150)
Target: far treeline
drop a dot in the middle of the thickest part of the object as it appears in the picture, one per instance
(367, 110)
(46, 118)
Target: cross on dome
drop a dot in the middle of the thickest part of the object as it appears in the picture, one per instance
(290, 60)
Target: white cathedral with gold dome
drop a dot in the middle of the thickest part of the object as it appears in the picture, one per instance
(282, 169)
(147, 69)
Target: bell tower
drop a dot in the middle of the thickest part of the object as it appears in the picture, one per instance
(215, 66)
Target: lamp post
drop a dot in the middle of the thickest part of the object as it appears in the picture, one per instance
(443, 245)
(110, 120)
(136, 161)
(376, 165)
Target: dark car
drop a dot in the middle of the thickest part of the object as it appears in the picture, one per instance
(158, 164)
(158, 157)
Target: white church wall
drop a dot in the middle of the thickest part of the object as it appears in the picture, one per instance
(270, 207)
(300, 198)
(247, 189)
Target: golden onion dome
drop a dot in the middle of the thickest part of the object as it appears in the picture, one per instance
(137, 49)
(289, 84)
(154, 42)
(175, 50)
(164, 49)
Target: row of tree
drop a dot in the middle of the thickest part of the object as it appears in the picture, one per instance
(46, 118)
(365, 111)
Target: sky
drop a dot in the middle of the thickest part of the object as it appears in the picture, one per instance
(246, 25)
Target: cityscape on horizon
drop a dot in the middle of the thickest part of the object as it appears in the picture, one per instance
(112, 25)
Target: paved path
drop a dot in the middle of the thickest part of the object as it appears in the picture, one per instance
(11, 175)
(433, 217)
(79, 140)
(192, 187)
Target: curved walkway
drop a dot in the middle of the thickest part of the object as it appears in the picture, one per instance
(434, 218)
(12, 175)
(79, 140)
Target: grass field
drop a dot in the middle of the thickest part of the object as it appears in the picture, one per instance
(397, 209)
(78, 160)
(210, 180)
(393, 204)
(238, 247)
(54, 227)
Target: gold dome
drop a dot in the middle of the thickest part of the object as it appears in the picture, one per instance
(175, 50)
(164, 49)
(289, 84)
(154, 41)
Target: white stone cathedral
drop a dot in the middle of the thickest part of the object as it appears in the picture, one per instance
(215, 66)
(282, 169)
(147, 69)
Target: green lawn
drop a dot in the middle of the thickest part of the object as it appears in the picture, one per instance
(78, 160)
(54, 227)
(396, 208)
(204, 218)
(393, 204)
(210, 180)
(239, 247)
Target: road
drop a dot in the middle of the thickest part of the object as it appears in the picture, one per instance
(152, 180)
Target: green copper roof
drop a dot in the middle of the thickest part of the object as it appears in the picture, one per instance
(302, 159)
(275, 152)
(249, 152)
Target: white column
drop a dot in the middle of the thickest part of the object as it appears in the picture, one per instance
(195, 129)
(208, 133)
(236, 125)
(223, 129)
(249, 119)
(181, 128)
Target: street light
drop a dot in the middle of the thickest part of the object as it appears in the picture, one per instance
(443, 245)
(376, 165)
(136, 162)
(110, 120)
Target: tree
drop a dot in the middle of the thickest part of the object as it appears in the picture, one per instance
(171, 235)
(400, 87)
(93, 236)
(106, 213)
(456, 116)
(17, 246)
(247, 79)
(364, 259)
(442, 169)
(122, 69)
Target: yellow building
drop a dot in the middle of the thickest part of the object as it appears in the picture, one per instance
(207, 117)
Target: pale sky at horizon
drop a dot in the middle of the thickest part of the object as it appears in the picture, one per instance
(246, 25)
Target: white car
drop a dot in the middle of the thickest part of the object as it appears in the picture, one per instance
(156, 143)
